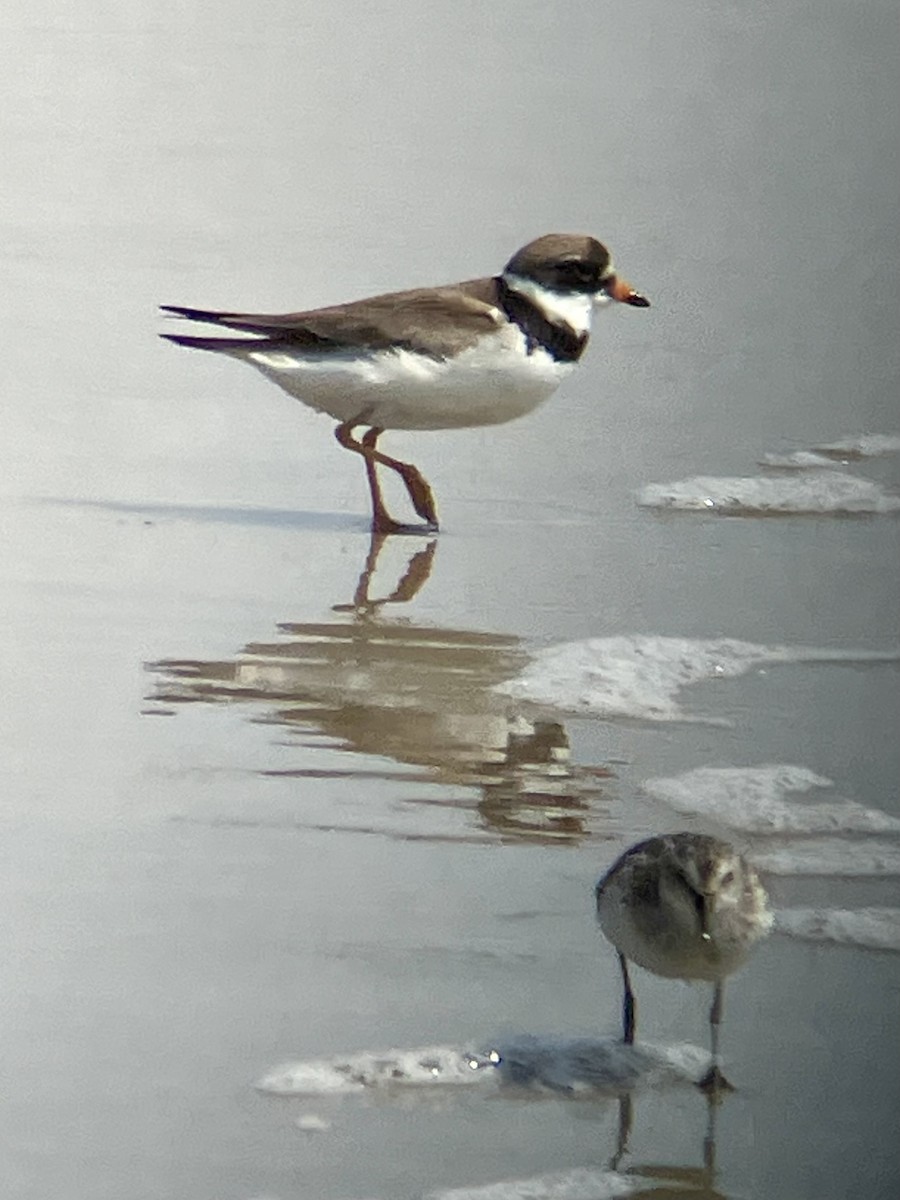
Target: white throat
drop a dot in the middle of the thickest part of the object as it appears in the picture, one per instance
(570, 308)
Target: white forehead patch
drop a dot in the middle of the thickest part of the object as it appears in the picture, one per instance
(571, 308)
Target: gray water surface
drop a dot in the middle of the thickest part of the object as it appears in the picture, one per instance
(271, 794)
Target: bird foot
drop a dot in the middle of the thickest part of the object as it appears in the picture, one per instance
(387, 525)
(420, 493)
(714, 1084)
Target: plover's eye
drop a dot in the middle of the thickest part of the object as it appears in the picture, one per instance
(727, 878)
(576, 274)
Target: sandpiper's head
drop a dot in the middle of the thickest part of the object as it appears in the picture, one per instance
(569, 264)
(717, 878)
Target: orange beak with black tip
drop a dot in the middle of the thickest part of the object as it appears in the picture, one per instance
(622, 291)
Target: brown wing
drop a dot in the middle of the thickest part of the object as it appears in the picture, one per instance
(435, 321)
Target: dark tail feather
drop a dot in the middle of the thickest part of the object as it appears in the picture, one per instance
(222, 345)
(251, 322)
(196, 314)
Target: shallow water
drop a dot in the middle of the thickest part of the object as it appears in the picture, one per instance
(273, 794)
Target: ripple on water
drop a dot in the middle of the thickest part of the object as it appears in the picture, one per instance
(640, 677)
(830, 856)
(755, 800)
(844, 450)
(795, 460)
(867, 928)
(550, 1065)
(822, 493)
(862, 445)
(582, 1183)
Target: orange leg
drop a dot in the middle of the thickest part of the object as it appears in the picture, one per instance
(416, 485)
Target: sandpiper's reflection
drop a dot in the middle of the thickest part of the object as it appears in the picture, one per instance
(380, 685)
(665, 1181)
(636, 1076)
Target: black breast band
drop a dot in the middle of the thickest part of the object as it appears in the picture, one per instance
(559, 340)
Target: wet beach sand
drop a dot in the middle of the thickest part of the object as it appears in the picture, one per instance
(300, 829)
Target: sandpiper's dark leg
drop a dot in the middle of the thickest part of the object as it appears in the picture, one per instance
(709, 1140)
(626, 1124)
(714, 1082)
(629, 1006)
(417, 485)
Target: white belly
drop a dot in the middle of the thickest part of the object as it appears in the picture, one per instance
(398, 389)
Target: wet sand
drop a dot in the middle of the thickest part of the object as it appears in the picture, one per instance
(276, 795)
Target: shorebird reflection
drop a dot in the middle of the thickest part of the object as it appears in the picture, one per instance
(372, 683)
(410, 583)
(666, 1180)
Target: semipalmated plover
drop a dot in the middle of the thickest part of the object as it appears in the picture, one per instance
(684, 906)
(479, 352)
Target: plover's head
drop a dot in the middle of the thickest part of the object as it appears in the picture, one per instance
(568, 264)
